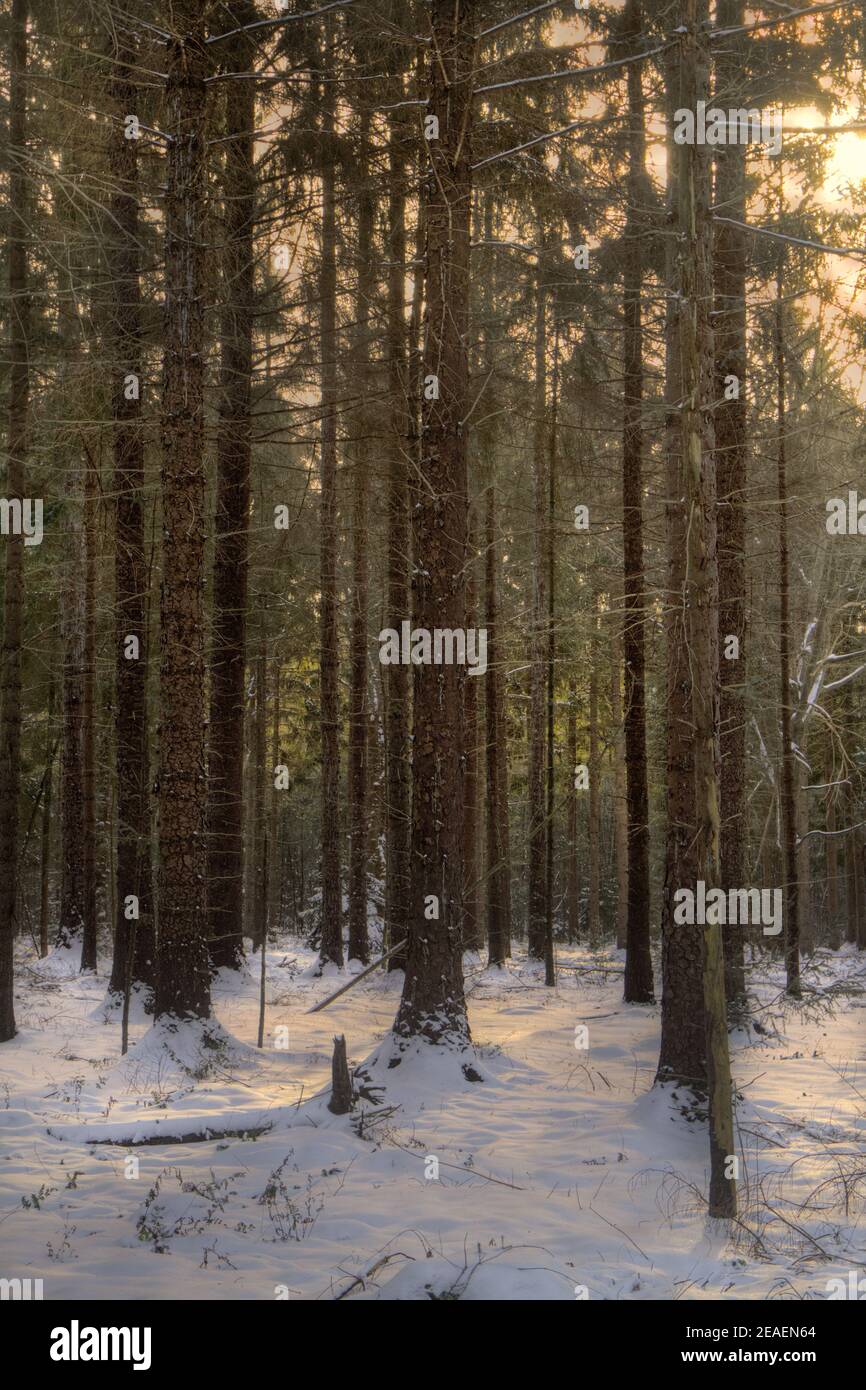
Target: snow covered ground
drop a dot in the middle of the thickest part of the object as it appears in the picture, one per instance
(562, 1174)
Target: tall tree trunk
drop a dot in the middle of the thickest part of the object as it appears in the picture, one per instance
(789, 766)
(804, 857)
(16, 449)
(183, 977)
(834, 932)
(228, 649)
(550, 680)
(729, 327)
(496, 832)
(851, 813)
(433, 1003)
(620, 809)
(538, 621)
(496, 859)
(401, 448)
(702, 594)
(87, 847)
(682, 1053)
(133, 864)
(594, 905)
(45, 855)
(573, 870)
(259, 913)
(854, 904)
(472, 939)
(638, 962)
(358, 681)
(275, 857)
(70, 932)
(331, 947)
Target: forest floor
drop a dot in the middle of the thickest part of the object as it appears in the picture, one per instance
(562, 1174)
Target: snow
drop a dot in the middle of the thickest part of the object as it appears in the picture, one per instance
(562, 1172)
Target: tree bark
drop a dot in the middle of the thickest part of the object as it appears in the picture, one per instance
(228, 647)
(638, 962)
(834, 935)
(275, 857)
(133, 863)
(702, 594)
(70, 932)
(183, 983)
(331, 945)
(729, 327)
(550, 681)
(16, 450)
(472, 939)
(538, 636)
(682, 1053)
(573, 870)
(789, 768)
(497, 862)
(620, 810)
(259, 914)
(433, 1003)
(358, 681)
(402, 448)
(45, 855)
(593, 910)
(87, 847)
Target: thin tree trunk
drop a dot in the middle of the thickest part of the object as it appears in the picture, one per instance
(45, 856)
(834, 934)
(789, 769)
(853, 876)
(550, 680)
(275, 857)
(472, 939)
(620, 811)
(638, 962)
(573, 870)
(228, 648)
(259, 915)
(359, 717)
(433, 1003)
(331, 947)
(702, 594)
(682, 1053)
(852, 815)
(538, 622)
(87, 847)
(70, 931)
(729, 326)
(183, 977)
(402, 387)
(593, 912)
(804, 862)
(497, 866)
(16, 449)
(132, 937)
(496, 834)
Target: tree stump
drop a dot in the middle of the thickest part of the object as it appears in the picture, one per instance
(342, 1093)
